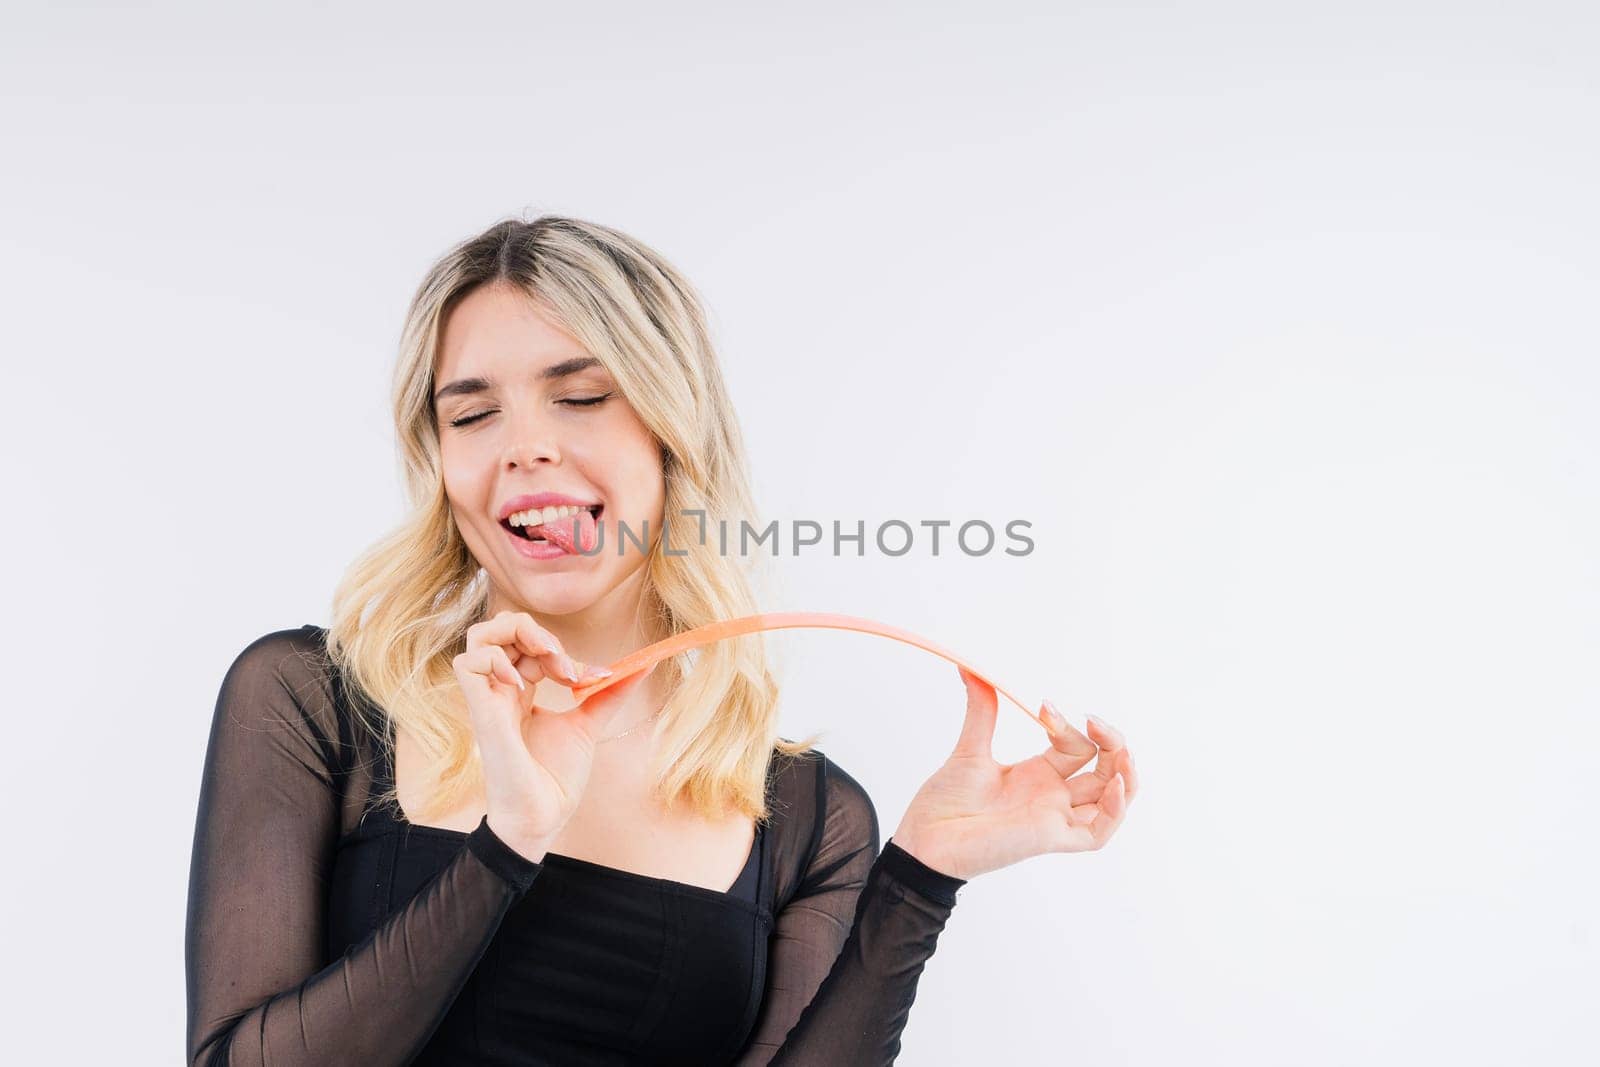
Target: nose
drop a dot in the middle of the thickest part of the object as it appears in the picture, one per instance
(532, 441)
(531, 455)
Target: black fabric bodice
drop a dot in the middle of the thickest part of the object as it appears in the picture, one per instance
(591, 965)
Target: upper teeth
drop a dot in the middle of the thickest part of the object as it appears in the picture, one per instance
(540, 516)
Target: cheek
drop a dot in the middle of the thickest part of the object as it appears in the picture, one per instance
(624, 460)
(463, 478)
(641, 476)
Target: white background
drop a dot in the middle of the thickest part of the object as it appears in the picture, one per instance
(1277, 321)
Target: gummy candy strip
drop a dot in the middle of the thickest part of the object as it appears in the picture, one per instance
(646, 658)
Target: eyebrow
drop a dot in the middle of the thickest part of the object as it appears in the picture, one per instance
(469, 386)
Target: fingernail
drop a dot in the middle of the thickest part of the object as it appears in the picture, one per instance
(569, 668)
(1096, 720)
(520, 683)
(599, 672)
(1056, 720)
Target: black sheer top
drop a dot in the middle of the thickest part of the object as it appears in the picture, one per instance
(325, 928)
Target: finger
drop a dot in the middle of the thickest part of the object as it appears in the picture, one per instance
(1084, 789)
(504, 671)
(1069, 750)
(1088, 795)
(1080, 798)
(1130, 776)
(1112, 806)
(476, 673)
(555, 660)
(1110, 742)
(530, 668)
(525, 639)
(517, 630)
(533, 670)
(502, 630)
(481, 666)
(1083, 814)
(977, 731)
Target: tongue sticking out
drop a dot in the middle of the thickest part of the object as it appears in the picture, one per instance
(574, 533)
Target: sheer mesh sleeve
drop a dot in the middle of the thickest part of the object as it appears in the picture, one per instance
(259, 988)
(848, 948)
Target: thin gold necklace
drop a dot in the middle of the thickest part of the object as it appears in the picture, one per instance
(629, 730)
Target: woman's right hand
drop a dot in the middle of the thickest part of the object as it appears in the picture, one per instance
(536, 762)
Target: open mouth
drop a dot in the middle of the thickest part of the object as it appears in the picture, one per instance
(535, 531)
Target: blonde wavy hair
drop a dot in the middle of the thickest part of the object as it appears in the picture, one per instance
(401, 611)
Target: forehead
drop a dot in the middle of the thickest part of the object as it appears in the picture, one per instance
(499, 328)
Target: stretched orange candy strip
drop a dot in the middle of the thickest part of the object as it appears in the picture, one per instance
(647, 657)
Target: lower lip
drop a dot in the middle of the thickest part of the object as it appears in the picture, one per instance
(534, 549)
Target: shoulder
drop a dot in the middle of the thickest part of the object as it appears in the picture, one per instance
(846, 801)
(284, 678)
(838, 808)
(293, 660)
(282, 653)
(814, 771)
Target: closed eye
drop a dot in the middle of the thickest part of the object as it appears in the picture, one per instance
(572, 401)
(586, 401)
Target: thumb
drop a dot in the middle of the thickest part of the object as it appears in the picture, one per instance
(977, 732)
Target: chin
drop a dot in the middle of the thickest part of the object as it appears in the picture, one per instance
(558, 594)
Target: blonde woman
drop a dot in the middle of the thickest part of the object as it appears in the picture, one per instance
(412, 847)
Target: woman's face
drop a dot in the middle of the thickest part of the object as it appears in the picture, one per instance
(513, 396)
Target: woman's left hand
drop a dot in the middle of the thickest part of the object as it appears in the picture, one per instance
(974, 815)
